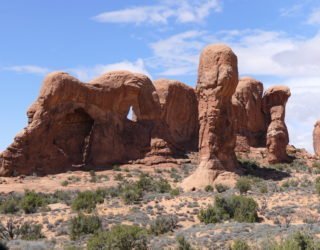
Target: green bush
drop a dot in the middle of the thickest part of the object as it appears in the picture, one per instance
(82, 225)
(10, 206)
(221, 188)
(290, 183)
(243, 184)
(87, 201)
(175, 192)
(64, 183)
(120, 237)
(61, 196)
(163, 186)
(183, 244)
(208, 188)
(30, 231)
(240, 245)
(212, 215)
(239, 208)
(131, 193)
(32, 201)
(317, 185)
(297, 241)
(163, 224)
(145, 183)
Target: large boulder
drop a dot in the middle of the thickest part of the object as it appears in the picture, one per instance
(249, 119)
(316, 138)
(217, 82)
(277, 138)
(73, 125)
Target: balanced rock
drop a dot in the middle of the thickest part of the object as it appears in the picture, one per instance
(73, 125)
(277, 138)
(217, 82)
(316, 138)
(249, 119)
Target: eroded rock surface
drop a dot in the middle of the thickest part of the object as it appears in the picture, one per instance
(250, 124)
(316, 138)
(274, 106)
(217, 82)
(74, 125)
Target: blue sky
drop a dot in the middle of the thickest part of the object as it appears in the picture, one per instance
(277, 42)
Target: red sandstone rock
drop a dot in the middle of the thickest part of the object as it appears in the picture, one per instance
(74, 125)
(274, 103)
(177, 132)
(316, 138)
(249, 119)
(217, 81)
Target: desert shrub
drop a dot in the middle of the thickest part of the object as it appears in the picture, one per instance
(116, 168)
(317, 185)
(120, 237)
(249, 165)
(243, 184)
(163, 186)
(82, 225)
(239, 245)
(290, 183)
(163, 224)
(64, 183)
(32, 201)
(146, 183)
(3, 246)
(10, 206)
(87, 201)
(263, 188)
(221, 188)
(183, 244)
(296, 241)
(8, 231)
(119, 177)
(175, 192)
(208, 188)
(212, 215)
(61, 196)
(131, 193)
(239, 208)
(30, 231)
(299, 165)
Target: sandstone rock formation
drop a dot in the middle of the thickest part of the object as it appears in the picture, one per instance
(249, 119)
(274, 104)
(73, 125)
(217, 81)
(316, 138)
(177, 132)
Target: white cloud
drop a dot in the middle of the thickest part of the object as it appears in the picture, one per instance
(260, 53)
(178, 54)
(182, 11)
(88, 73)
(292, 10)
(29, 69)
(314, 17)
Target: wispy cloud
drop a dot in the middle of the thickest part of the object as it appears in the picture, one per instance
(261, 53)
(181, 11)
(314, 17)
(88, 73)
(178, 54)
(29, 69)
(292, 10)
